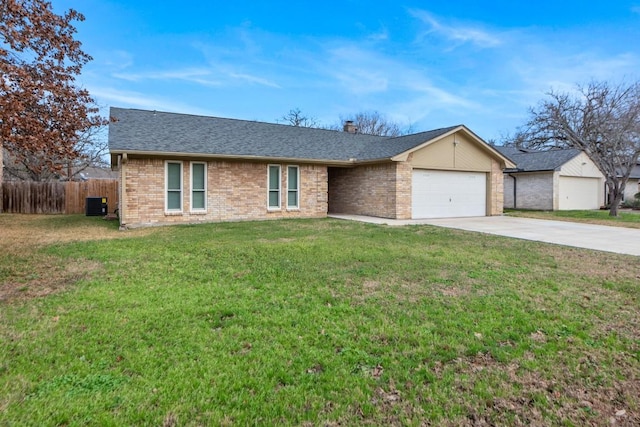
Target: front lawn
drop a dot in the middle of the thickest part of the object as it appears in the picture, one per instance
(628, 218)
(311, 322)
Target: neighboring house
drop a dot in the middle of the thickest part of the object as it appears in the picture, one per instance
(562, 179)
(178, 168)
(633, 184)
(94, 172)
(17, 172)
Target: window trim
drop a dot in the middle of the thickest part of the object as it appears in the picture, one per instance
(279, 189)
(192, 190)
(297, 189)
(166, 187)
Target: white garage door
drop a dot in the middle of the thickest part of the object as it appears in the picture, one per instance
(579, 193)
(441, 194)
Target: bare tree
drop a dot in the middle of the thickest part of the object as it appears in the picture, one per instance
(43, 114)
(25, 164)
(295, 118)
(367, 122)
(601, 118)
(372, 123)
(93, 148)
(21, 168)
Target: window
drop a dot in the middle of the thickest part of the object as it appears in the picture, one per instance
(293, 187)
(274, 187)
(198, 186)
(173, 182)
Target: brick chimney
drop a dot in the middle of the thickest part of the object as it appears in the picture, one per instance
(349, 127)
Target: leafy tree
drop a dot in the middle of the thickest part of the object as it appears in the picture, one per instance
(43, 114)
(295, 117)
(600, 118)
(372, 123)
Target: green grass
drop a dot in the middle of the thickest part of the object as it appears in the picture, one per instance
(624, 219)
(318, 322)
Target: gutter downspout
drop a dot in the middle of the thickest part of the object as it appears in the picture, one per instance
(515, 191)
(122, 208)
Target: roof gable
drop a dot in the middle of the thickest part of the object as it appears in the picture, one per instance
(418, 142)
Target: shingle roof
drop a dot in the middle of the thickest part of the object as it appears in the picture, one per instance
(151, 131)
(537, 161)
(509, 151)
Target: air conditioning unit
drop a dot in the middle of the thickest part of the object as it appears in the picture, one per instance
(96, 206)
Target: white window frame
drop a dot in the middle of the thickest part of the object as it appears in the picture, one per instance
(297, 189)
(166, 187)
(269, 190)
(204, 209)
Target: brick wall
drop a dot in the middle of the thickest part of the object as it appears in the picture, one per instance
(382, 190)
(508, 191)
(385, 190)
(496, 192)
(238, 191)
(534, 191)
(404, 179)
(235, 191)
(121, 190)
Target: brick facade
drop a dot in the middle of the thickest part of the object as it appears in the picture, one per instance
(382, 190)
(235, 191)
(404, 179)
(496, 190)
(238, 191)
(534, 191)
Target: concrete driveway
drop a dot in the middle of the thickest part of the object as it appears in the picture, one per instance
(598, 237)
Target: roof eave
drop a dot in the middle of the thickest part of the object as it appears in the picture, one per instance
(516, 170)
(236, 157)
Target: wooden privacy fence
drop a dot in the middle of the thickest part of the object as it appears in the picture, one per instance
(77, 192)
(56, 197)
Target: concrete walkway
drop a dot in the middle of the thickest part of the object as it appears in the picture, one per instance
(598, 237)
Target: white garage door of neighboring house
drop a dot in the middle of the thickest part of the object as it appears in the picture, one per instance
(441, 194)
(579, 193)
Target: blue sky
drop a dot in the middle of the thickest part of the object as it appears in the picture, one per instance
(422, 64)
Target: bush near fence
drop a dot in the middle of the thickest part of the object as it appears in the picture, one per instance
(56, 197)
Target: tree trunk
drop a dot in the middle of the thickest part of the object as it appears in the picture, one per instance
(617, 198)
(613, 211)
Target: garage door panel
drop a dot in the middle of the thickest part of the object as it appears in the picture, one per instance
(578, 193)
(439, 194)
